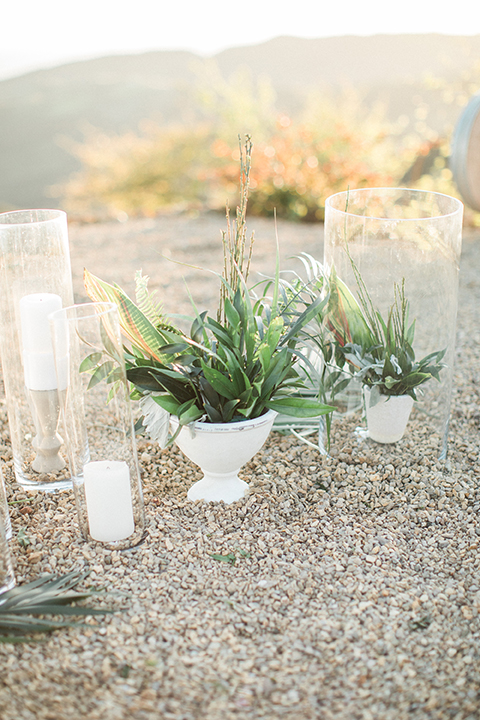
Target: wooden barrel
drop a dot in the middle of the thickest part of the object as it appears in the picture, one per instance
(465, 153)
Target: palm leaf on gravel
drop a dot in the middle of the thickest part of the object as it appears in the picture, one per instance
(49, 595)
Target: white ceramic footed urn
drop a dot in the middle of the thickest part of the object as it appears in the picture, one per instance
(388, 417)
(220, 449)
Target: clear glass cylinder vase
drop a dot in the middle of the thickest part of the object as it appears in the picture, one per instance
(7, 577)
(98, 424)
(35, 278)
(378, 240)
(4, 512)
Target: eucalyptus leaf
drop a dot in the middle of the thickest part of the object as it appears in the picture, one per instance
(100, 373)
(89, 362)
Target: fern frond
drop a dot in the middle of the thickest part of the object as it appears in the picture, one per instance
(147, 301)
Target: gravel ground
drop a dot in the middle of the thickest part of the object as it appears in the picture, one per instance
(355, 586)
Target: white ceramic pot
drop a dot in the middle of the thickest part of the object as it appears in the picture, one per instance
(220, 449)
(387, 419)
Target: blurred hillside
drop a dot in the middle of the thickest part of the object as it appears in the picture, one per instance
(42, 112)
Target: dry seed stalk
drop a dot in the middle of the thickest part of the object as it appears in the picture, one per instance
(234, 247)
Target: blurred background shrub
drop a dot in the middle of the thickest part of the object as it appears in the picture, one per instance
(332, 142)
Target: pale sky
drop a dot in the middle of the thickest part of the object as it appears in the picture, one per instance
(42, 33)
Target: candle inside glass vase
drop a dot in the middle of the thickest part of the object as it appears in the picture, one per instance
(98, 424)
(109, 500)
(41, 378)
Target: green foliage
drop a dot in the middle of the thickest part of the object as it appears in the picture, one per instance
(230, 558)
(235, 370)
(379, 353)
(23, 539)
(232, 368)
(21, 606)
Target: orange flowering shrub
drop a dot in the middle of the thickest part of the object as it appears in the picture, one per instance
(297, 169)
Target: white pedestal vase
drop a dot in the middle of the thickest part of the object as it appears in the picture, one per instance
(220, 449)
(387, 419)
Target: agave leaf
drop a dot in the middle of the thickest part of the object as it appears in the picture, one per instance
(313, 268)
(57, 608)
(46, 596)
(16, 622)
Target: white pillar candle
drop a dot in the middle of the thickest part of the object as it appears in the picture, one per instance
(38, 360)
(108, 499)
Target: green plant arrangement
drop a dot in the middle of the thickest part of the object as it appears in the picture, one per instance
(22, 609)
(228, 368)
(378, 352)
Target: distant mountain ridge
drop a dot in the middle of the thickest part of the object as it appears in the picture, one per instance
(115, 93)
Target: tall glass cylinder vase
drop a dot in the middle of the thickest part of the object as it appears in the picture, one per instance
(98, 424)
(4, 512)
(380, 239)
(35, 279)
(7, 577)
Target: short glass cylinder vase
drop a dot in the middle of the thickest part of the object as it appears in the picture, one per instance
(98, 424)
(389, 243)
(35, 279)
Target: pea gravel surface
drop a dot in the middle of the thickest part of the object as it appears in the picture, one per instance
(341, 587)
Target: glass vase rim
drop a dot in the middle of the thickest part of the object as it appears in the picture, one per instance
(51, 214)
(392, 190)
(108, 307)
